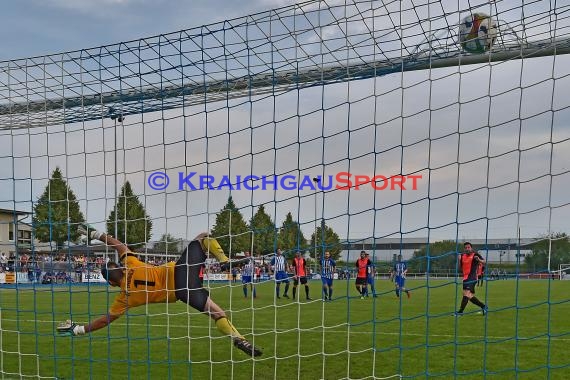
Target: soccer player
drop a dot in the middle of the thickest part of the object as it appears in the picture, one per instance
(279, 265)
(468, 262)
(142, 283)
(400, 271)
(328, 267)
(247, 275)
(362, 266)
(371, 277)
(300, 270)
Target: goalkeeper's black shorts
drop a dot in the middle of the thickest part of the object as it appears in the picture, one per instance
(187, 277)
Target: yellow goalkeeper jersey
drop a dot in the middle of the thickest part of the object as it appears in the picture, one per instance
(142, 284)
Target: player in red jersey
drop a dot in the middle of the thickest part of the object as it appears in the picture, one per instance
(469, 262)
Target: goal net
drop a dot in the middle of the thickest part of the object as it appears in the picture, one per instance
(390, 127)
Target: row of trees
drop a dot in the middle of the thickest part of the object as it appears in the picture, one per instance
(261, 236)
(57, 212)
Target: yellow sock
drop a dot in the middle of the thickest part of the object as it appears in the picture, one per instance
(225, 327)
(211, 245)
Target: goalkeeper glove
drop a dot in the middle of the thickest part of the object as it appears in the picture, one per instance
(89, 231)
(69, 328)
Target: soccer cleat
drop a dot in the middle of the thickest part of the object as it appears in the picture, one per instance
(245, 346)
(484, 310)
(285, 296)
(309, 299)
(409, 295)
(458, 313)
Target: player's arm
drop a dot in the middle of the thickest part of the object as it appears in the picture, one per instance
(118, 308)
(480, 258)
(69, 328)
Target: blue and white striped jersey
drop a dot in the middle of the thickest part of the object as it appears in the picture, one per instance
(248, 267)
(279, 263)
(400, 268)
(327, 267)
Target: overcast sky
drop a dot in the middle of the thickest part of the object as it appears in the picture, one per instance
(476, 181)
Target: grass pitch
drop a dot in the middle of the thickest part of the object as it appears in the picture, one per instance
(524, 336)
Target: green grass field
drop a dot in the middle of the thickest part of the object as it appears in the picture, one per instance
(525, 335)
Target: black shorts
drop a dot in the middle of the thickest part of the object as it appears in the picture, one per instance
(469, 285)
(361, 281)
(187, 277)
(302, 279)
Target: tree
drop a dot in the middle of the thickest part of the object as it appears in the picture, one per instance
(264, 234)
(134, 226)
(240, 236)
(559, 248)
(291, 237)
(442, 255)
(56, 212)
(168, 244)
(331, 241)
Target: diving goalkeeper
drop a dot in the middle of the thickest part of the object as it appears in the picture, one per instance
(141, 283)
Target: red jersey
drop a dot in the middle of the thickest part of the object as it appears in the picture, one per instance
(299, 266)
(362, 265)
(469, 265)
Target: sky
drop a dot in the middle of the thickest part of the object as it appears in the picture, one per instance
(40, 27)
(490, 141)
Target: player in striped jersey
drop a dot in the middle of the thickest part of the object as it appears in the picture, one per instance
(279, 265)
(371, 277)
(247, 274)
(400, 270)
(328, 267)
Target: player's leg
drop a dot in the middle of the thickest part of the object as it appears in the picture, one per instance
(475, 300)
(277, 284)
(330, 285)
(190, 291)
(467, 286)
(295, 283)
(244, 287)
(211, 246)
(324, 288)
(372, 288)
(286, 281)
(403, 287)
(397, 282)
(224, 325)
(304, 282)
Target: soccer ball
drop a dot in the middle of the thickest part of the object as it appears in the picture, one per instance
(477, 33)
